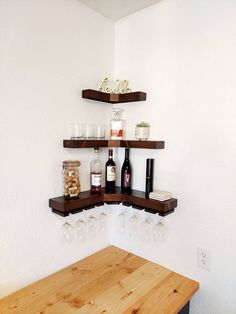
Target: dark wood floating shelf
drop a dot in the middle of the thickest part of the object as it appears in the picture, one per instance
(113, 98)
(113, 143)
(88, 200)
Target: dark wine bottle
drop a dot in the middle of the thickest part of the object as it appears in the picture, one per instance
(110, 173)
(126, 174)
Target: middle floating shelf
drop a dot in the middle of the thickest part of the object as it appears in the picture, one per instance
(88, 200)
(113, 143)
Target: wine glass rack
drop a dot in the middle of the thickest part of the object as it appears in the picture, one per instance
(88, 200)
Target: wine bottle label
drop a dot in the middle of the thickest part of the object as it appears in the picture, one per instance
(127, 180)
(111, 173)
(96, 179)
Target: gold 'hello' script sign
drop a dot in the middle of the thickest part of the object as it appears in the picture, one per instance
(114, 87)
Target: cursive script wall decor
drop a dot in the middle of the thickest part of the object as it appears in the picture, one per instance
(114, 87)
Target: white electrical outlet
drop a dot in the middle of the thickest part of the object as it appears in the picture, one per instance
(203, 258)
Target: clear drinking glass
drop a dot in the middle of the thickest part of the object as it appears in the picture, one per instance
(99, 132)
(88, 131)
(67, 232)
(76, 131)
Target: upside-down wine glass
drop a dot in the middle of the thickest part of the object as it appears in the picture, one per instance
(121, 223)
(103, 217)
(133, 226)
(158, 231)
(145, 230)
(92, 226)
(67, 232)
(81, 230)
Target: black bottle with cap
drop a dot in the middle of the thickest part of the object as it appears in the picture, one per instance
(149, 176)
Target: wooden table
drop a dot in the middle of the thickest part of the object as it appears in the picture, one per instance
(110, 281)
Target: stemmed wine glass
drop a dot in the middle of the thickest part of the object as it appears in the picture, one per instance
(145, 230)
(81, 230)
(92, 226)
(159, 231)
(67, 232)
(121, 223)
(103, 217)
(133, 226)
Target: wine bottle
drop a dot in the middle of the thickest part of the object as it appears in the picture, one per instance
(110, 173)
(126, 174)
(96, 173)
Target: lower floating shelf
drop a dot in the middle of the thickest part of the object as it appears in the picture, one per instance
(88, 200)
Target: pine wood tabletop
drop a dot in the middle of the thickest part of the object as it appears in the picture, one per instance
(111, 281)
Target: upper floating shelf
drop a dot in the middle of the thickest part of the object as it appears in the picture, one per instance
(113, 98)
(113, 143)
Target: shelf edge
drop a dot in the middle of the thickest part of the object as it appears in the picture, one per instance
(114, 143)
(62, 207)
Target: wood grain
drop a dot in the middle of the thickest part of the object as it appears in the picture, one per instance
(111, 281)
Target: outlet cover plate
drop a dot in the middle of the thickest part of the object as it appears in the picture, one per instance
(204, 258)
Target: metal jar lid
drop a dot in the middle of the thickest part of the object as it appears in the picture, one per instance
(71, 163)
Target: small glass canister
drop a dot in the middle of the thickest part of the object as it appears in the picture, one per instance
(71, 178)
(117, 125)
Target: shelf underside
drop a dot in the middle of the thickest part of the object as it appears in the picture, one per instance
(113, 98)
(113, 143)
(88, 200)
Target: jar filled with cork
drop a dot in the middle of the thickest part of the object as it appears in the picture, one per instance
(71, 178)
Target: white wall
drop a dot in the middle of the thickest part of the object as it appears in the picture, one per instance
(182, 53)
(49, 52)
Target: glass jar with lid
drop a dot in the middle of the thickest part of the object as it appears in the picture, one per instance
(117, 125)
(71, 179)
